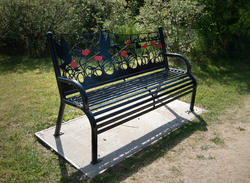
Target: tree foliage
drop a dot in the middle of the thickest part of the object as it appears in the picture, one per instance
(213, 26)
(23, 24)
(177, 17)
(225, 26)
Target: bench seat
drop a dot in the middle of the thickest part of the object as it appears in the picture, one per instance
(99, 97)
(123, 98)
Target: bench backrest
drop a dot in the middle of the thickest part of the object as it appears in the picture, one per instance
(103, 57)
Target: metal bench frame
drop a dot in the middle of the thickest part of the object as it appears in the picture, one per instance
(126, 93)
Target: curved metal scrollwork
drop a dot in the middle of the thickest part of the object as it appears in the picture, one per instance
(103, 55)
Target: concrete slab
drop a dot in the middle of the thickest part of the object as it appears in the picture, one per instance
(118, 143)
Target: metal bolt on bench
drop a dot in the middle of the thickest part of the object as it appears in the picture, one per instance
(114, 78)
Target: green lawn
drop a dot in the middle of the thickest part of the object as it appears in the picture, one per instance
(29, 102)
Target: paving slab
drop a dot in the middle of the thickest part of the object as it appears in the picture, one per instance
(118, 143)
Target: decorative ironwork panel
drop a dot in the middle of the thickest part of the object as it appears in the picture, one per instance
(95, 58)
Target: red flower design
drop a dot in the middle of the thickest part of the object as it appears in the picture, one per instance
(85, 52)
(145, 45)
(73, 64)
(159, 45)
(152, 43)
(127, 42)
(98, 58)
(124, 53)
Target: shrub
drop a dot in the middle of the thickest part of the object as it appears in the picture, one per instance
(88, 15)
(177, 17)
(225, 26)
(24, 24)
(120, 17)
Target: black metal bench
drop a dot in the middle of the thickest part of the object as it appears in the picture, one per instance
(114, 78)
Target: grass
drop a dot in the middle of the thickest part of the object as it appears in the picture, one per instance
(204, 147)
(217, 140)
(241, 129)
(200, 156)
(175, 170)
(29, 102)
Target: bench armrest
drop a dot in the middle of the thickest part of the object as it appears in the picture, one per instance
(78, 86)
(188, 65)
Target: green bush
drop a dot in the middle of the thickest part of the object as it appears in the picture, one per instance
(225, 27)
(197, 26)
(120, 17)
(23, 24)
(177, 17)
(134, 6)
(88, 15)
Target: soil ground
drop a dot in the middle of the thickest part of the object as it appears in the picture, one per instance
(221, 154)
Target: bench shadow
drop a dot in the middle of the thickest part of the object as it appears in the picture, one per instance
(139, 153)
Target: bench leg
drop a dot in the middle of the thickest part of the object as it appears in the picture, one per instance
(59, 119)
(94, 137)
(94, 146)
(193, 99)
